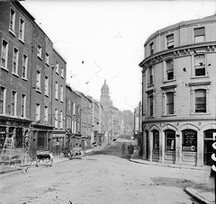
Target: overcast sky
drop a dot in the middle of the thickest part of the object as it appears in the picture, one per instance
(103, 40)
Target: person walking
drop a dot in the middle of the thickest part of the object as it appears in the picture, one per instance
(123, 148)
(130, 150)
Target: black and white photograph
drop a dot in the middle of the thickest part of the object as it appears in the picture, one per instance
(107, 102)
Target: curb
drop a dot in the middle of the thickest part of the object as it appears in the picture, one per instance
(196, 196)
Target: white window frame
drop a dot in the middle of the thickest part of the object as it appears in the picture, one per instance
(4, 54)
(151, 47)
(199, 38)
(57, 68)
(37, 115)
(24, 66)
(166, 70)
(61, 120)
(193, 88)
(170, 43)
(195, 91)
(61, 93)
(3, 89)
(56, 118)
(74, 108)
(46, 111)
(21, 29)
(15, 61)
(14, 96)
(62, 72)
(38, 80)
(46, 86)
(56, 90)
(196, 67)
(47, 59)
(39, 51)
(23, 106)
(12, 21)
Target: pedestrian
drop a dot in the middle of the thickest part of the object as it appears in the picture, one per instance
(57, 146)
(130, 149)
(123, 148)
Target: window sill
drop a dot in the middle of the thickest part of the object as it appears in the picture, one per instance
(46, 95)
(150, 85)
(57, 73)
(193, 114)
(6, 69)
(56, 99)
(22, 40)
(16, 75)
(198, 77)
(168, 81)
(12, 32)
(47, 64)
(169, 115)
(38, 90)
(39, 57)
(25, 79)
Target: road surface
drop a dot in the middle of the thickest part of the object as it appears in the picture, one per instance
(101, 178)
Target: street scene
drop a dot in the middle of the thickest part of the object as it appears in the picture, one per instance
(105, 176)
(107, 102)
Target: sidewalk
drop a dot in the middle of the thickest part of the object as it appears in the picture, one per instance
(201, 195)
(56, 159)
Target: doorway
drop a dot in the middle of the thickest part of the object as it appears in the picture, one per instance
(147, 145)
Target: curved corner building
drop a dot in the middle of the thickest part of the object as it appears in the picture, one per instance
(179, 93)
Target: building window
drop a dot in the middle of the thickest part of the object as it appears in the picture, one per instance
(12, 20)
(169, 69)
(170, 41)
(200, 101)
(38, 81)
(2, 99)
(37, 112)
(170, 103)
(61, 93)
(23, 106)
(189, 140)
(46, 114)
(56, 90)
(24, 66)
(74, 108)
(150, 75)
(155, 139)
(47, 59)
(56, 118)
(151, 105)
(39, 51)
(151, 45)
(21, 29)
(46, 86)
(199, 35)
(15, 61)
(14, 103)
(199, 65)
(57, 67)
(61, 120)
(4, 54)
(170, 140)
(62, 72)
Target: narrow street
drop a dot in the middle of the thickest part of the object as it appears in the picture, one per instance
(103, 177)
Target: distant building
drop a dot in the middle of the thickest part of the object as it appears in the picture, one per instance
(178, 98)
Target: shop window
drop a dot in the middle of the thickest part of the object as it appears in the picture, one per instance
(18, 138)
(199, 35)
(189, 140)
(2, 136)
(200, 101)
(170, 140)
(42, 140)
(155, 140)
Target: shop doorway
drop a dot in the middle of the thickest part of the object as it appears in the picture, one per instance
(208, 149)
(147, 145)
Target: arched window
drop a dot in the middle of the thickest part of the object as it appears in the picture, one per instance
(170, 140)
(189, 140)
(155, 139)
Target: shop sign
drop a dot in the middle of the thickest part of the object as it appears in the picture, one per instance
(213, 155)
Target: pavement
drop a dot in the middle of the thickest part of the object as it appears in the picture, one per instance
(202, 196)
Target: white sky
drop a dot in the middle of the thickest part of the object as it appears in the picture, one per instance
(109, 37)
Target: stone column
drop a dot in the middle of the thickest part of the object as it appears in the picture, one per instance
(178, 148)
(150, 145)
(162, 147)
(200, 149)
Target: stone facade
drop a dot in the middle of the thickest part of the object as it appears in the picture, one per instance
(179, 93)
